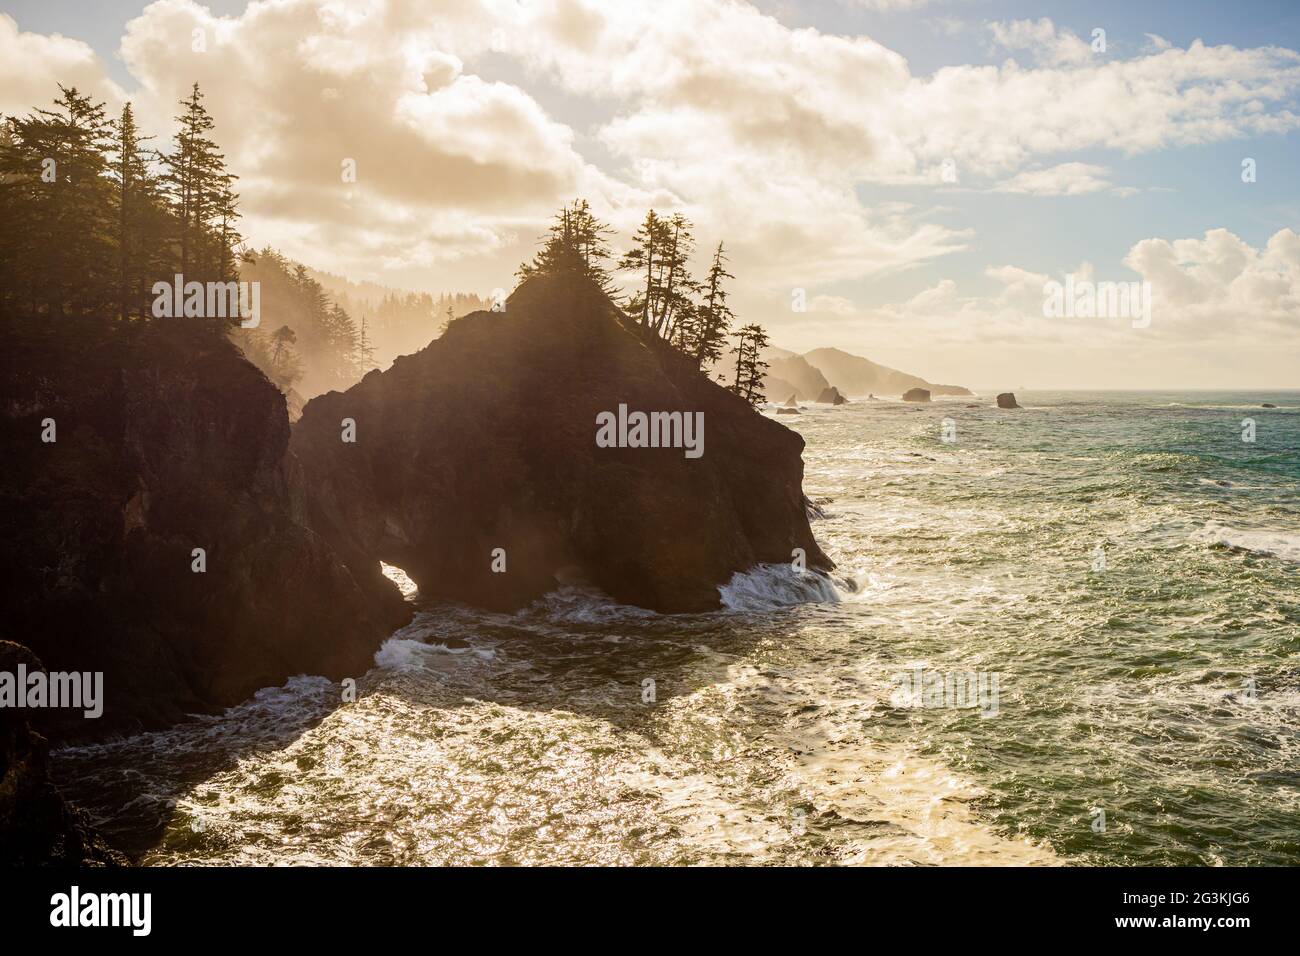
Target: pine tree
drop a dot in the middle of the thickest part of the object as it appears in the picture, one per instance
(365, 350)
(642, 259)
(52, 169)
(200, 190)
(676, 284)
(141, 219)
(225, 213)
(576, 244)
(750, 368)
(713, 318)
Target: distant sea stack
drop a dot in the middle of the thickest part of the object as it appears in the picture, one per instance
(916, 395)
(476, 467)
(1007, 400)
(152, 525)
(832, 396)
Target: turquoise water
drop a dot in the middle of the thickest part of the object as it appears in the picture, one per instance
(1123, 565)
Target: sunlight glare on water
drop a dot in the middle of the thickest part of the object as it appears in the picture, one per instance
(1161, 687)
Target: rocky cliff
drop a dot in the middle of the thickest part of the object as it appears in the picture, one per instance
(37, 826)
(126, 449)
(793, 374)
(475, 464)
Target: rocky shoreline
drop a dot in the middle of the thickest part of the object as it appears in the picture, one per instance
(164, 524)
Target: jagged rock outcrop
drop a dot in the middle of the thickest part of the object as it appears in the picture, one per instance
(1007, 400)
(792, 401)
(832, 396)
(37, 826)
(805, 381)
(916, 395)
(166, 440)
(486, 440)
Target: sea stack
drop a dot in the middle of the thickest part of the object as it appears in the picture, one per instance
(792, 401)
(916, 395)
(1007, 400)
(481, 451)
(832, 396)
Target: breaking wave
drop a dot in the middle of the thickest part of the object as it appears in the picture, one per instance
(767, 587)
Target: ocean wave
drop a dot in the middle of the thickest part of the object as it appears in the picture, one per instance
(1268, 543)
(767, 587)
(573, 604)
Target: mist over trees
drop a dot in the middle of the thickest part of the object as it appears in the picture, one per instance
(93, 215)
(397, 322)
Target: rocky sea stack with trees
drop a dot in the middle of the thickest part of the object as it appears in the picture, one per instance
(166, 525)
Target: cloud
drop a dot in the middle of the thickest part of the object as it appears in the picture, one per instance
(1217, 291)
(762, 133)
(448, 164)
(1220, 283)
(1045, 43)
(32, 65)
(891, 4)
(1064, 179)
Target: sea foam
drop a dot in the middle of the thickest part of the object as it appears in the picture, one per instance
(767, 587)
(1267, 542)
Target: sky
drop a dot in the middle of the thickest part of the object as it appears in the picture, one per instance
(902, 179)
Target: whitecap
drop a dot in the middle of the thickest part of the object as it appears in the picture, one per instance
(766, 587)
(1272, 543)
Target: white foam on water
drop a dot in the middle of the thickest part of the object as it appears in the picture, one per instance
(767, 587)
(1266, 542)
(575, 604)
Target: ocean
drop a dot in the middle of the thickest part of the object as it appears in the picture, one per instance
(1061, 635)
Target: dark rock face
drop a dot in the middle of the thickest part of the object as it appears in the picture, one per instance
(167, 441)
(36, 825)
(916, 395)
(1007, 400)
(832, 396)
(486, 440)
(1268, 405)
(788, 411)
